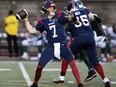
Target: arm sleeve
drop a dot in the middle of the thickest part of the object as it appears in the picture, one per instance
(96, 26)
(97, 19)
(39, 26)
(64, 20)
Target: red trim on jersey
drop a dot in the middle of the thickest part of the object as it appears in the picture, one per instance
(86, 8)
(41, 21)
(59, 14)
(71, 42)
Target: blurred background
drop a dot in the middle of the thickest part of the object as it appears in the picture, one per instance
(105, 9)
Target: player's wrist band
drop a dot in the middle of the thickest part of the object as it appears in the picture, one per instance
(26, 20)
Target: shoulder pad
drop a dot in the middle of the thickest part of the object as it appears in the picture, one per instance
(41, 21)
(60, 14)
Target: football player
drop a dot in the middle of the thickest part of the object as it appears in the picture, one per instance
(112, 35)
(109, 43)
(99, 38)
(32, 40)
(53, 24)
(83, 39)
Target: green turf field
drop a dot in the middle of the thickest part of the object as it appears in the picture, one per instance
(21, 74)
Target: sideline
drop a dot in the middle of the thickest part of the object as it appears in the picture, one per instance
(25, 74)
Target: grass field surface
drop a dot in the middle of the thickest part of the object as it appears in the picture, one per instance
(21, 74)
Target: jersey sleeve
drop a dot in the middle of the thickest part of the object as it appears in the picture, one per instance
(61, 17)
(39, 26)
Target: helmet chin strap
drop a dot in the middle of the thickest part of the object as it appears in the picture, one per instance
(52, 13)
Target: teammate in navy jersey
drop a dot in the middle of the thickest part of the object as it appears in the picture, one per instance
(56, 35)
(83, 39)
(99, 37)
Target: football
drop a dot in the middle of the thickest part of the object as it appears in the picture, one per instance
(22, 14)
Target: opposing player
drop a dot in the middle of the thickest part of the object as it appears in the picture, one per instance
(56, 35)
(83, 39)
(110, 43)
(33, 40)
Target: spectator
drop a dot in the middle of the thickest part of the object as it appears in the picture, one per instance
(11, 29)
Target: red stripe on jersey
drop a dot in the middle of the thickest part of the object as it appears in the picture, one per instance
(59, 14)
(41, 21)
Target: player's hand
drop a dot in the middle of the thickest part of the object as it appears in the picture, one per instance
(69, 15)
(26, 18)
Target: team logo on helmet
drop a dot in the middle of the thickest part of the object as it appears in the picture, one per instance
(80, 4)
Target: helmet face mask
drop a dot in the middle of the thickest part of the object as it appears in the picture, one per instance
(46, 5)
(51, 11)
(44, 10)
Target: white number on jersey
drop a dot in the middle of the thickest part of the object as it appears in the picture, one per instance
(53, 27)
(83, 21)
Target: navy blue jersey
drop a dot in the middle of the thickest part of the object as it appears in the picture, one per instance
(54, 27)
(83, 36)
(84, 26)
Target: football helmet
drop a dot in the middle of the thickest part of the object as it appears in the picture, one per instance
(80, 4)
(72, 5)
(46, 5)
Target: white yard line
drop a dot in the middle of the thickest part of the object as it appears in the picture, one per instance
(113, 82)
(1, 69)
(71, 82)
(25, 74)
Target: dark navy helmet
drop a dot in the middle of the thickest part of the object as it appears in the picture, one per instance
(72, 4)
(46, 5)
